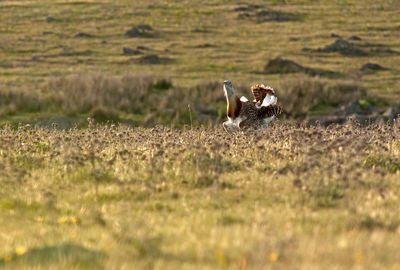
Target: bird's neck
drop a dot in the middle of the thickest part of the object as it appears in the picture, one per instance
(234, 105)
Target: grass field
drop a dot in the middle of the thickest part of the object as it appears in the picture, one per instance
(287, 197)
(196, 44)
(154, 182)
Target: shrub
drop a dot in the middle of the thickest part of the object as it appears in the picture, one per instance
(12, 101)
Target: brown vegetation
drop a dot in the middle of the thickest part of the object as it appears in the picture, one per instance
(287, 196)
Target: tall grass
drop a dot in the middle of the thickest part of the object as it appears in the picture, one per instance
(299, 96)
(16, 100)
(115, 196)
(105, 96)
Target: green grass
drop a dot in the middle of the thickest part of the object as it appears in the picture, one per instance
(74, 195)
(32, 55)
(109, 197)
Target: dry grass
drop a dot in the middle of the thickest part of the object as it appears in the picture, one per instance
(120, 197)
(16, 101)
(205, 41)
(149, 100)
(300, 96)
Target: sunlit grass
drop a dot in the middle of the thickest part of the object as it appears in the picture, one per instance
(287, 196)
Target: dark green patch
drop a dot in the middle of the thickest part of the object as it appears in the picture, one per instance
(388, 163)
(227, 220)
(18, 204)
(162, 84)
(71, 256)
(82, 175)
(325, 195)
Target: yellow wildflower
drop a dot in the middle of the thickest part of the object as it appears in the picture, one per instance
(39, 219)
(21, 251)
(72, 235)
(273, 257)
(358, 257)
(61, 220)
(219, 254)
(7, 258)
(243, 261)
(350, 233)
(74, 220)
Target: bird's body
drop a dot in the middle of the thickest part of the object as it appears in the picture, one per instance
(256, 114)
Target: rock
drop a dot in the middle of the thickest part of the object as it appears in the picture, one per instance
(243, 15)
(343, 47)
(283, 66)
(392, 113)
(372, 67)
(280, 65)
(197, 30)
(49, 19)
(142, 48)
(249, 7)
(206, 45)
(293, 39)
(335, 35)
(129, 51)
(354, 49)
(142, 30)
(151, 59)
(354, 38)
(273, 16)
(358, 107)
(383, 50)
(83, 35)
(254, 13)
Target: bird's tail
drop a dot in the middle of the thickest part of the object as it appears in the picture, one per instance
(270, 110)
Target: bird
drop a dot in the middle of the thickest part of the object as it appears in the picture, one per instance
(256, 114)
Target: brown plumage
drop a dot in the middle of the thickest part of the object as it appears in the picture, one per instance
(234, 111)
(243, 113)
(260, 91)
(254, 116)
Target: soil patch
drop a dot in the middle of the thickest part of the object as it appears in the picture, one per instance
(348, 48)
(129, 51)
(283, 66)
(151, 59)
(141, 30)
(371, 67)
(256, 14)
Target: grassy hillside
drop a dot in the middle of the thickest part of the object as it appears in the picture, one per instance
(288, 197)
(160, 191)
(196, 43)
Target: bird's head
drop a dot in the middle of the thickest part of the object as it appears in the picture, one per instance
(228, 89)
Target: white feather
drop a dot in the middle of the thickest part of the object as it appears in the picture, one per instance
(267, 100)
(267, 120)
(238, 120)
(273, 100)
(231, 125)
(243, 99)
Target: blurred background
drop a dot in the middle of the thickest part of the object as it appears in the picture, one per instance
(147, 62)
